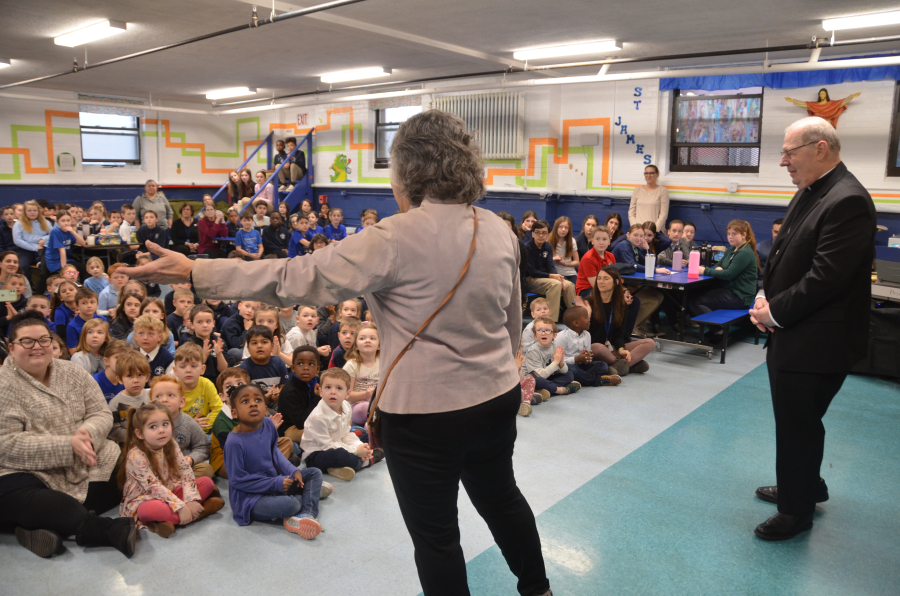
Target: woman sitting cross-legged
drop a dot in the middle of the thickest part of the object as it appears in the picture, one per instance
(56, 465)
(608, 321)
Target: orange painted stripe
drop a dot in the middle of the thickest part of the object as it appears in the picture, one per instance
(27, 155)
(48, 123)
(489, 179)
(886, 195)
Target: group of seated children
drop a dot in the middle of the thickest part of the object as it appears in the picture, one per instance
(246, 403)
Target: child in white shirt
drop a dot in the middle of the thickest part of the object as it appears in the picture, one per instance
(328, 443)
(576, 341)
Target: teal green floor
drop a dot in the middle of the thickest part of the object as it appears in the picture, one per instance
(676, 516)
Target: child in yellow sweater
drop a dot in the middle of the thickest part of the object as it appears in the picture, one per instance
(201, 400)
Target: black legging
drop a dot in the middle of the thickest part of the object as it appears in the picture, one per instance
(33, 506)
(426, 472)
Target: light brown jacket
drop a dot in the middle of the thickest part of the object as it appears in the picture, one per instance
(405, 265)
(37, 423)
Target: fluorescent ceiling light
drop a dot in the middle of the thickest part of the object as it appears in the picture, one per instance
(231, 92)
(4, 62)
(576, 49)
(353, 75)
(877, 19)
(92, 33)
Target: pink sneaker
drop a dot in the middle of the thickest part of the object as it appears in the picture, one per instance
(306, 527)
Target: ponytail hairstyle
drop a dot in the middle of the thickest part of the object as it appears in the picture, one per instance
(618, 305)
(137, 418)
(743, 227)
(555, 239)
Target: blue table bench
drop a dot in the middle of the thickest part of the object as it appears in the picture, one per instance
(723, 319)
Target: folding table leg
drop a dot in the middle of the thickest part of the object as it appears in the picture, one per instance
(724, 342)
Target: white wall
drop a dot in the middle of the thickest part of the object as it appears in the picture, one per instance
(864, 129)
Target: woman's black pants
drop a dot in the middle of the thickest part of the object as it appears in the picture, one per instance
(26, 502)
(427, 456)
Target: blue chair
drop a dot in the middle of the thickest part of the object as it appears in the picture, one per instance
(723, 319)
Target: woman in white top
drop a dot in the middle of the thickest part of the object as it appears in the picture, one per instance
(565, 250)
(449, 410)
(649, 202)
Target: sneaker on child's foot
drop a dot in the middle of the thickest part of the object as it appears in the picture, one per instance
(326, 491)
(295, 460)
(377, 455)
(289, 188)
(162, 529)
(573, 387)
(305, 527)
(640, 367)
(545, 395)
(536, 399)
(610, 380)
(524, 409)
(345, 473)
(282, 188)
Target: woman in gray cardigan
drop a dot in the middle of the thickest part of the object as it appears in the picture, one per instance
(56, 464)
(449, 409)
(153, 199)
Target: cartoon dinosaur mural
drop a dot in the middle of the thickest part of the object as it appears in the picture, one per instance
(341, 168)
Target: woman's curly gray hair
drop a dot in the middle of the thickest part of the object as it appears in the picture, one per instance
(433, 156)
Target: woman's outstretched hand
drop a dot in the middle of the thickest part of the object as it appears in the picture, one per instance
(170, 268)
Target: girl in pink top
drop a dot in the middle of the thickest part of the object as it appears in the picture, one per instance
(268, 193)
(160, 489)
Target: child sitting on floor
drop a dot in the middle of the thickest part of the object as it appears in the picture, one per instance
(85, 310)
(363, 366)
(540, 307)
(248, 242)
(576, 341)
(107, 378)
(155, 307)
(88, 352)
(299, 395)
(345, 310)
(304, 334)
(546, 362)
(202, 323)
(109, 296)
(97, 280)
(183, 302)
(346, 334)
(224, 423)
(128, 309)
(268, 316)
(133, 371)
(160, 490)
(64, 306)
(193, 442)
(148, 331)
(262, 483)
(328, 443)
(202, 401)
(265, 370)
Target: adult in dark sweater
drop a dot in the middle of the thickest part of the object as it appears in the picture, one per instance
(185, 232)
(276, 237)
(542, 276)
(151, 231)
(817, 290)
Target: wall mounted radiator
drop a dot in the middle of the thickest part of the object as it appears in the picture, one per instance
(496, 119)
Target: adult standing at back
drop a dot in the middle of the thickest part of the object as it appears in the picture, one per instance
(815, 303)
(649, 202)
(449, 409)
(155, 200)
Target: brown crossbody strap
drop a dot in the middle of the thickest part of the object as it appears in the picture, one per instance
(426, 323)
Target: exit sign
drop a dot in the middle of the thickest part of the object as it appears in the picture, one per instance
(302, 119)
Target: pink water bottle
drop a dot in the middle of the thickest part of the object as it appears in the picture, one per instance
(677, 256)
(694, 265)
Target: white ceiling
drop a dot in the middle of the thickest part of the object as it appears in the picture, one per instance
(288, 57)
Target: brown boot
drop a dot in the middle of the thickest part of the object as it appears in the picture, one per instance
(211, 505)
(162, 529)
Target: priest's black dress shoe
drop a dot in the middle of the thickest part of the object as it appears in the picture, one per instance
(782, 526)
(770, 493)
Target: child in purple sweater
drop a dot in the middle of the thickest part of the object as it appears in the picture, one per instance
(262, 483)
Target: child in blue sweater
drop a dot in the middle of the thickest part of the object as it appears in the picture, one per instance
(262, 483)
(335, 231)
(247, 241)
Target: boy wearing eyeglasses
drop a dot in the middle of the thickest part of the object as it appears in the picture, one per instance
(546, 362)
